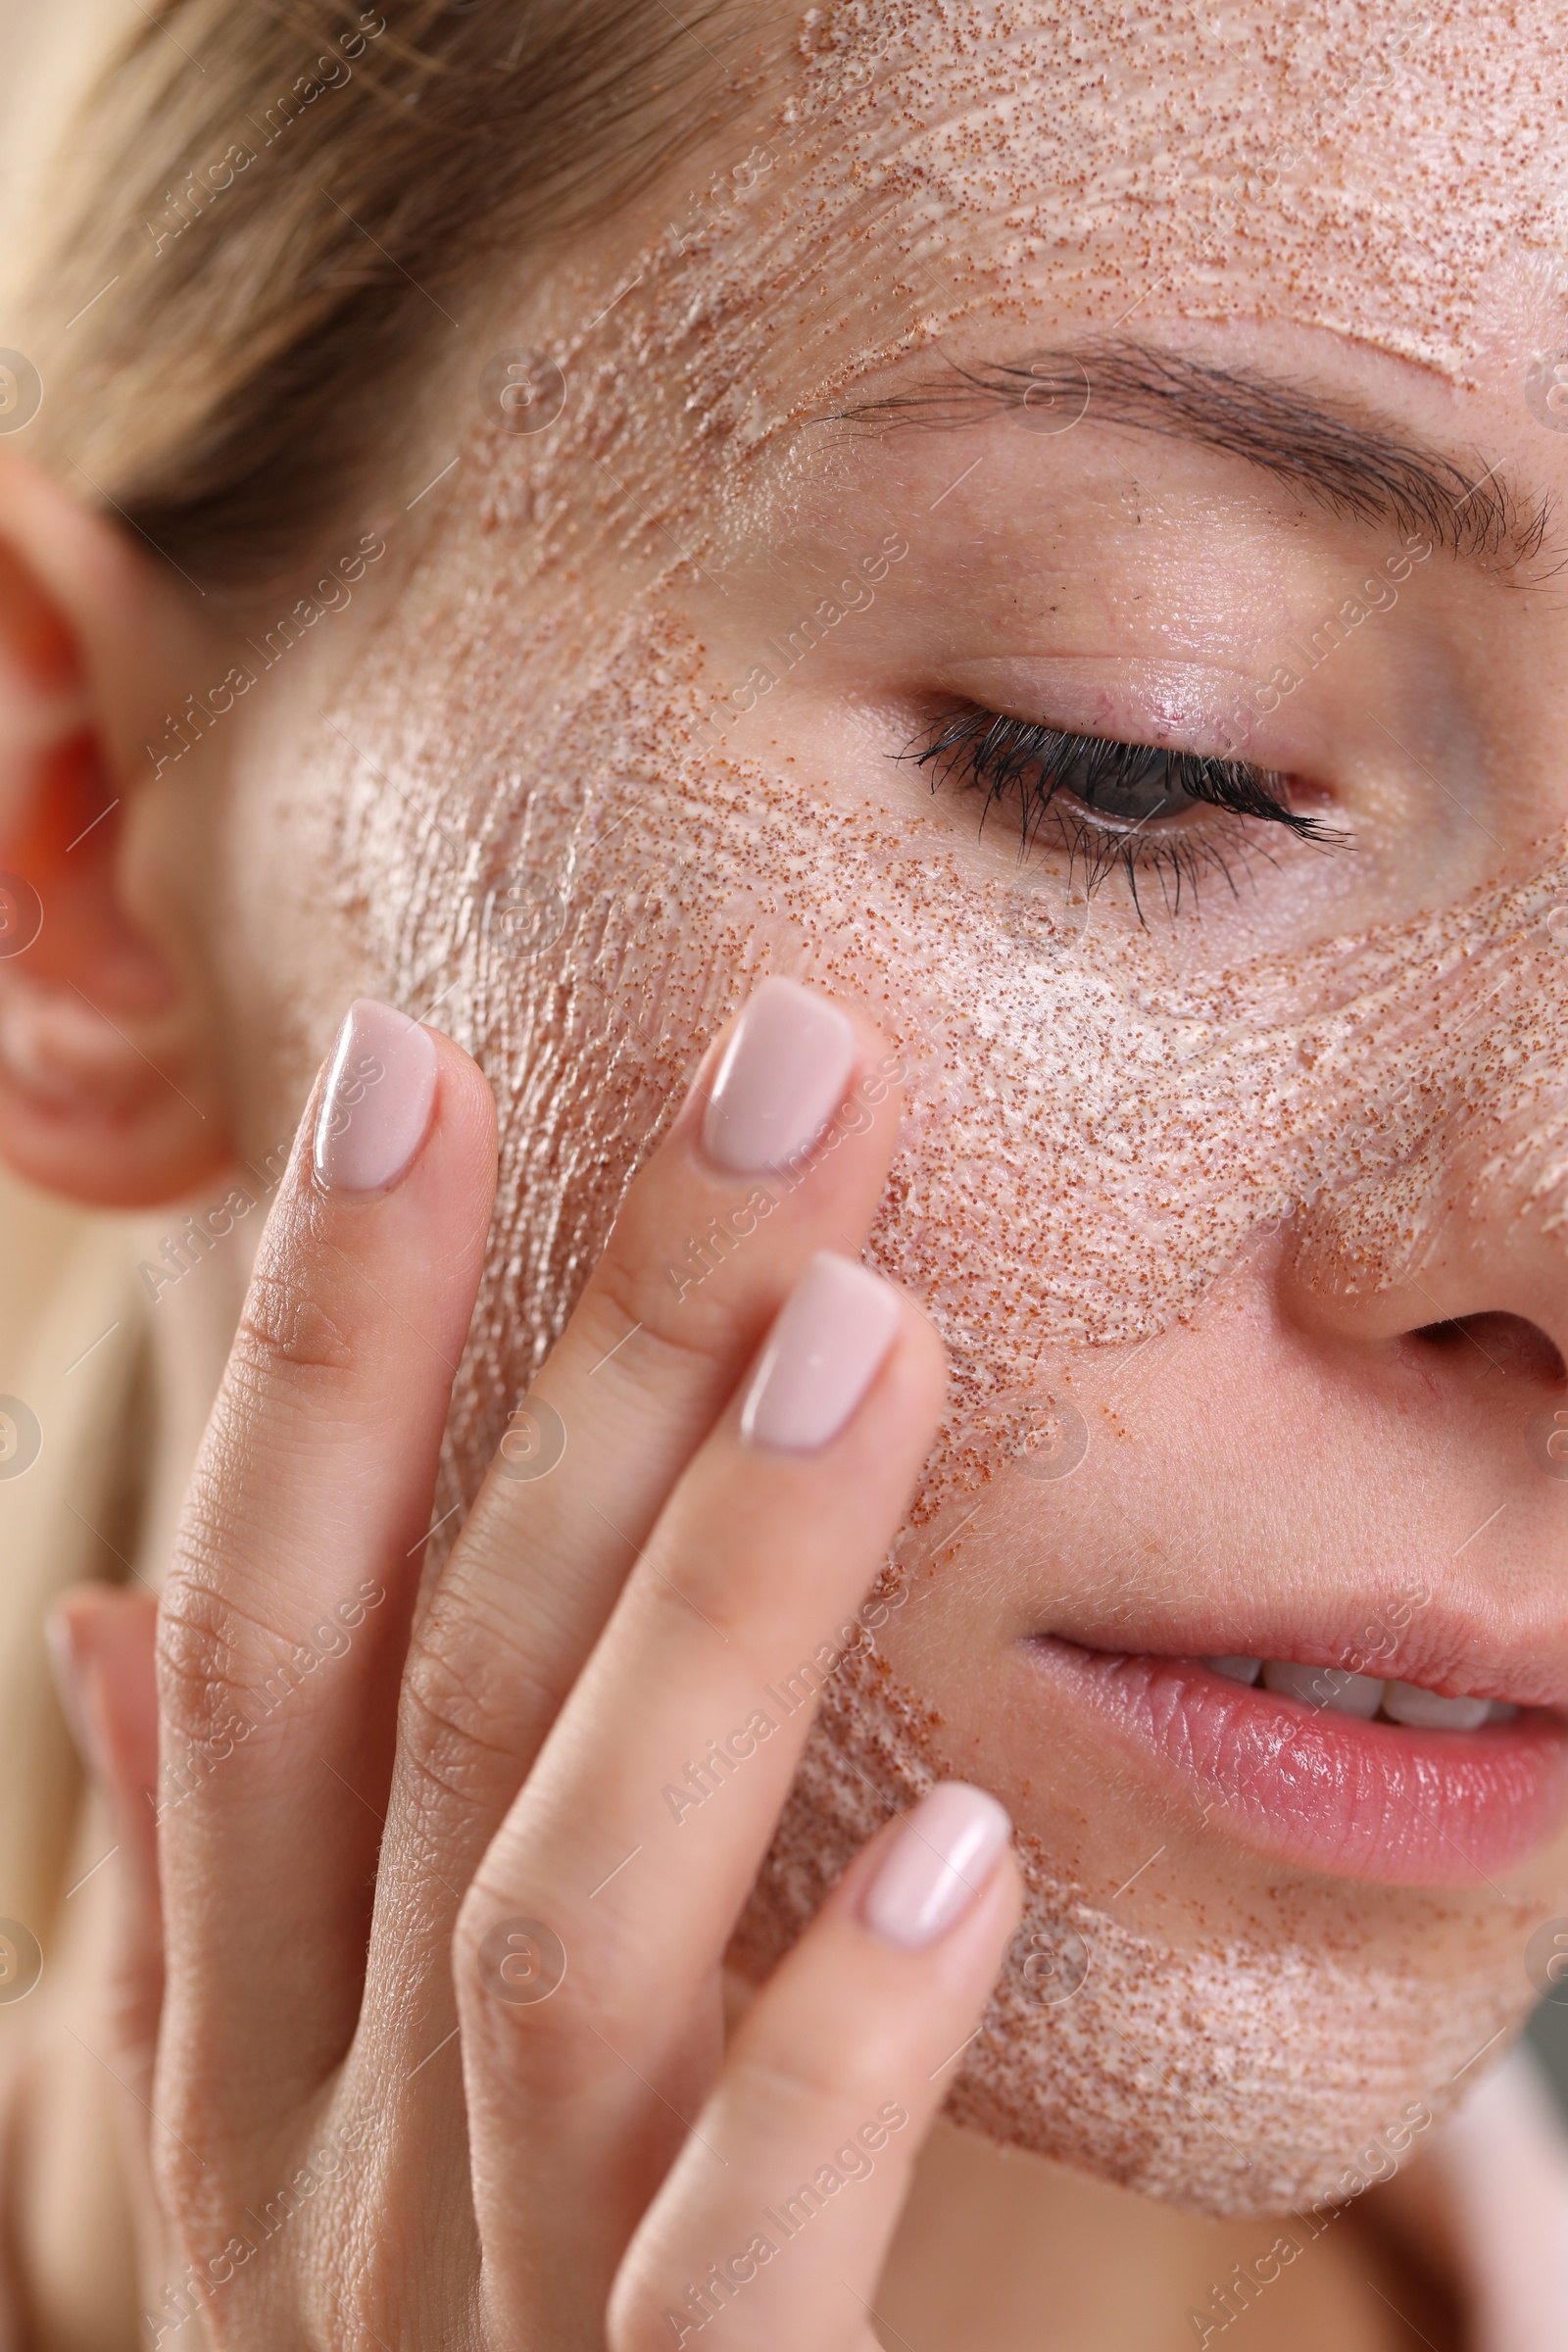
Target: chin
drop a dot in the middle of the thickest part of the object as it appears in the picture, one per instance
(1237, 2076)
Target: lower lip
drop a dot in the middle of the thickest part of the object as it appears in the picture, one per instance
(1326, 1792)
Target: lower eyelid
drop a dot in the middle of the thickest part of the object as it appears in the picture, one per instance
(981, 749)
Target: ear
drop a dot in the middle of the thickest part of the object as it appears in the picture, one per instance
(110, 1076)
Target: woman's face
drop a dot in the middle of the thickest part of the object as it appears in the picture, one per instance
(1164, 385)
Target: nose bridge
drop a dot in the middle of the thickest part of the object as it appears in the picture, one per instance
(1443, 1136)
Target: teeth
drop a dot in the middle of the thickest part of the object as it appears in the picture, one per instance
(1425, 1711)
(1361, 1694)
(1330, 1687)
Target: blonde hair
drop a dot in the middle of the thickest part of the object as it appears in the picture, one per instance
(284, 212)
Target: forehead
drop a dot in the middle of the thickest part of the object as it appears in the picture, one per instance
(1371, 199)
(1396, 174)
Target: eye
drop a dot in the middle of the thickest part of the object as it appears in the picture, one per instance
(1138, 808)
(1128, 782)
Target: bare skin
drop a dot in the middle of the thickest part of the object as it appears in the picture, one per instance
(1111, 579)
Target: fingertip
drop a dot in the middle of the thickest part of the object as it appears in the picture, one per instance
(465, 1104)
(784, 1073)
(937, 1866)
(924, 1354)
(389, 1090)
(829, 1342)
(796, 1071)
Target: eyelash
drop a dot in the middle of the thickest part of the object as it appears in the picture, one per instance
(984, 751)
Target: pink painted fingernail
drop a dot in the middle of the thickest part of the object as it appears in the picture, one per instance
(822, 1353)
(935, 1867)
(784, 1074)
(380, 1092)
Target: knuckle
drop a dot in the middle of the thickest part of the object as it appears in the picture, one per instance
(685, 1268)
(686, 1258)
(687, 1261)
(672, 1334)
(285, 1328)
(774, 2088)
(468, 1662)
(783, 2088)
(730, 1585)
(295, 1318)
(636, 2321)
(515, 2010)
(467, 1708)
(221, 1671)
(550, 2007)
(198, 1660)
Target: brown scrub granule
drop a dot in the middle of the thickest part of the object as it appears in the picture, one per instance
(581, 888)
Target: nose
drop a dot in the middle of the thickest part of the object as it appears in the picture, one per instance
(1445, 1167)
(1488, 1283)
(1449, 1256)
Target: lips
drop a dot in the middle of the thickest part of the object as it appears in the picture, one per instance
(1317, 1786)
(1342, 1692)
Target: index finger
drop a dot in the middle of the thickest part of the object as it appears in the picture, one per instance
(285, 1611)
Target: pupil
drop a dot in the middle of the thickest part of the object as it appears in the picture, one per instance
(1139, 785)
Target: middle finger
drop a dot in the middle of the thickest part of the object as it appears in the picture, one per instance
(644, 1821)
(780, 1149)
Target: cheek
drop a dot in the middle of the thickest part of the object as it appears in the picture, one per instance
(1230, 2073)
(1093, 1135)
(1094, 1132)
(1091, 1139)
(288, 938)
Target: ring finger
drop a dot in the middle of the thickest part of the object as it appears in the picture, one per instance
(652, 1803)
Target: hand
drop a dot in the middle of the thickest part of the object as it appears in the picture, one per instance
(441, 2056)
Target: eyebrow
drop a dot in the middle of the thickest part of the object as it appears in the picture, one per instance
(1359, 466)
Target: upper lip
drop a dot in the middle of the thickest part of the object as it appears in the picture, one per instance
(1445, 1647)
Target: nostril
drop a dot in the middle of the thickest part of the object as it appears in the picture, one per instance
(1507, 1343)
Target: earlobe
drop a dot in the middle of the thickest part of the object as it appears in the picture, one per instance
(109, 1089)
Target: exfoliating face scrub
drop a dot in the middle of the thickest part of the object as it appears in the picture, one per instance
(586, 876)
